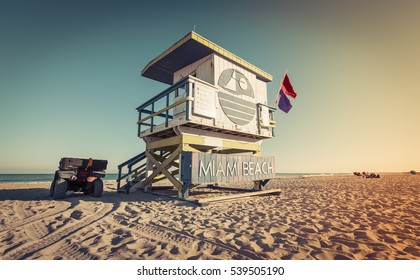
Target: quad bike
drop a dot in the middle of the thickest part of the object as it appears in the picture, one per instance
(78, 175)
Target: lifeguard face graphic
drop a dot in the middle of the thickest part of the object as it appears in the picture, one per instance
(235, 97)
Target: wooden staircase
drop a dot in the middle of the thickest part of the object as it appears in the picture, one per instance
(136, 167)
(136, 171)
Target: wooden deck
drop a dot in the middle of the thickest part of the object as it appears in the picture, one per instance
(206, 201)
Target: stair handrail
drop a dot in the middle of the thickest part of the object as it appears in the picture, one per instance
(163, 93)
(129, 163)
(132, 160)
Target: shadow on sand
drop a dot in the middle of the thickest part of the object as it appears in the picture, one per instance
(42, 194)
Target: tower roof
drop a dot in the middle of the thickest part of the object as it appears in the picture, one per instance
(186, 51)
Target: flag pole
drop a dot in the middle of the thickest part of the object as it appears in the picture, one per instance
(282, 79)
(281, 82)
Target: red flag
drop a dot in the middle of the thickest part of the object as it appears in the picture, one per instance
(287, 87)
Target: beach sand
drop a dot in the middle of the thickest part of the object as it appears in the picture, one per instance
(329, 218)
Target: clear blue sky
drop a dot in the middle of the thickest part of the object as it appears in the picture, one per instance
(70, 82)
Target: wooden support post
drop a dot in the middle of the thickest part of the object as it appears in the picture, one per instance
(149, 171)
(129, 175)
(257, 185)
(162, 167)
(183, 192)
(119, 178)
(260, 185)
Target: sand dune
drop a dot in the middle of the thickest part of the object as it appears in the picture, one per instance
(314, 218)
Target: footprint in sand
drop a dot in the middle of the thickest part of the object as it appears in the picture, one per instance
(120, 236)
(308, 230)
(212, 233)
(116, 240)
(96, 241)
(342, 257)
(174, 250)
(412, 250)
(390, 240)
(346, 242)
(120, 219)
(76, 214)
(324, 244)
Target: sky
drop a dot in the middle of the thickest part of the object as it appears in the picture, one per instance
(70, 77)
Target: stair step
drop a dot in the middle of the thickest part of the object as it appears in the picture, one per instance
(138, 178)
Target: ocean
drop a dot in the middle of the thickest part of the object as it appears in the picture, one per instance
(10, 178)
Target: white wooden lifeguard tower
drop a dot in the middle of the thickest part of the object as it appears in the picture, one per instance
(207, 126)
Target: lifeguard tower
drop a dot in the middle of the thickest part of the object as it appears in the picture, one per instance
(207, 126)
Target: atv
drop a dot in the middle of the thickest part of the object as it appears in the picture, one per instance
(78, 175)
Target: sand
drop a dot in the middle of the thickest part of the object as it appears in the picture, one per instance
(329, 218)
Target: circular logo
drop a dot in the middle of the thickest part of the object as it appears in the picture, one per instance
(236, 86)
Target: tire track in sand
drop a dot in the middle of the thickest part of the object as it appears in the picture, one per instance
(165, 234)
(30, 248)
(20, 209)
(72, 251)
(59, 208)
(189, 241)
(36, 230)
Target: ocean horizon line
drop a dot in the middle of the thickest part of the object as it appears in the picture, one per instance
(48, 177)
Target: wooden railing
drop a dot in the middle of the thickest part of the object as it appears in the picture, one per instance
(132, 173)
(271, 122)
(155, 114)
(160, 109)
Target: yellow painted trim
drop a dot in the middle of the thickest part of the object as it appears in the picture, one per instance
(191, 139)
(185, 140)
(241, 146)
(226, 144)
(175, 140)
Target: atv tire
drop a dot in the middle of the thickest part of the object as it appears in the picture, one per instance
(59, 189)
(98, 187)
(52, 188)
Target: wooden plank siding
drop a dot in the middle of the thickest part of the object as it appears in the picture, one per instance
(218, 168)
(209, 69)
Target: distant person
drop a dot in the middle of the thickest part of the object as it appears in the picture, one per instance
(367, 175)
(373, 175)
